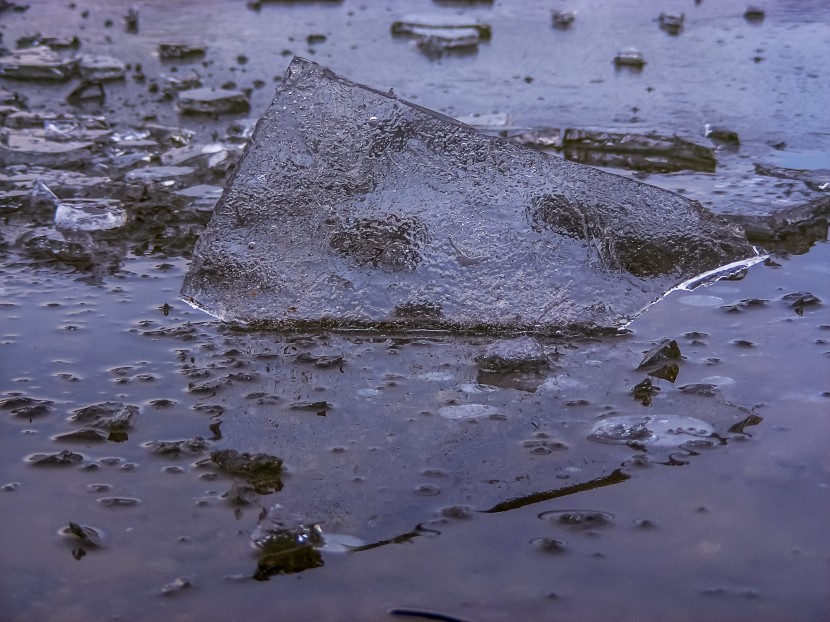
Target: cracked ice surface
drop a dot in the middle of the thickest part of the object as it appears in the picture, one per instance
(352, 208)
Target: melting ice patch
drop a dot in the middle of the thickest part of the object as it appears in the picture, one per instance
(654, 430)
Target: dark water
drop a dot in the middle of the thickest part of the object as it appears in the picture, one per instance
(436, 486)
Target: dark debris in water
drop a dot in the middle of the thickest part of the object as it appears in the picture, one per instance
(25, 407)
(177, 449)
(83, 538)
(578, 520)
(61, 458)
(110, 416)
(84, 435)
(644, 390)
(262, 471)
(285, 544)
(663, 351)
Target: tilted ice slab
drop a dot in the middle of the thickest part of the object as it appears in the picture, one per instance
(352, 208)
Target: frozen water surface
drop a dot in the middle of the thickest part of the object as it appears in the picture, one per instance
(146, 448)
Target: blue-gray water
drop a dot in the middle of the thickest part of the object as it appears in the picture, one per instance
(463, 510)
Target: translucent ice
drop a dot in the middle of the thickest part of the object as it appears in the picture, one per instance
(81, 214)
(353, 208)
(656, 430)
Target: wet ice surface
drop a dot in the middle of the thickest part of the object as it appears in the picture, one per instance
(513, 514)
(352, 209)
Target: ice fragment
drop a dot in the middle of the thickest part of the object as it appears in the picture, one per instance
(357, 223)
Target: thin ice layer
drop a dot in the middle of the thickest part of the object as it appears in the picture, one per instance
(352, 208)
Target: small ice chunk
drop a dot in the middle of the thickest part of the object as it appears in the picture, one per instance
(439, 40)
(468, 411)
(486, 121)
(158, 174)
(180, 51)
(26, 147)
(213, 101)
(721, 134)
(653, 430)
(410, 24)
(671, 23)
(629, 57)
(754, 14)
(511, 355)
(131, 20)
(563, 19)
(202, 197)
(39, 63)
(90, 214)
(100, 68)
(187, 81)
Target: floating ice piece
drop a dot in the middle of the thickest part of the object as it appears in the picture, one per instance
(754, 14)
(213, 101)
(641, 152)
(10, 98)
(817, 179)
(563, 19)
(90, 214)
(718, 133)
(49, 243)
(62, 182)
(469, 411)
(352, 208)
(81, 214)
(50, 41)
(164, 175)
(63, 123)
(87, 91)
(671, 23)
(207, 156)
(411, 24)
(26, 147)
(493, 120)
(439, 40)
(286, 544)
(174, 84)
(180, 51)
(131, 20)
(39, 63)
(520, 354)
(241, 130)
(629, 57)
(201, 197)
(653, 430)
(100, 68)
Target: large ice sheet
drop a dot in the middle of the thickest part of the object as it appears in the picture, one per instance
(353, 208)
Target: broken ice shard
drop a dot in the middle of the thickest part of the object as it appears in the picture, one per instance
(180, 51)
(352, 208)
(213, 101)
(99, 68)
(412, 24)
(38, 63)
(81, 214)
(629, 57)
